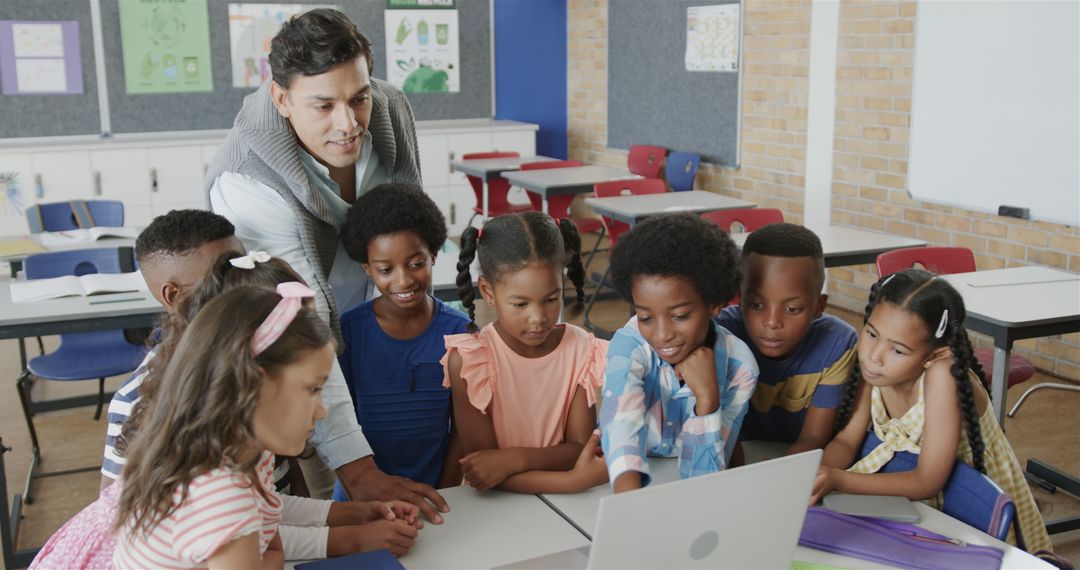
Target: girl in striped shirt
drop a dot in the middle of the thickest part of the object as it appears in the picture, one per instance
(244, 383)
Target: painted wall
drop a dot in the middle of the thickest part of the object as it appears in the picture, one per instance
(530, 68)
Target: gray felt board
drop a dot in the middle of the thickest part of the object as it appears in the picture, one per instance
(78, 114)
(53, 115)
(652, 99)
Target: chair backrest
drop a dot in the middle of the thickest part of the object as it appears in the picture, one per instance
(622, 188)
(647, 161)
(75, 214)
(558, 206)
(79, 262)
(680, 170)
(968, 496)
(744, 219)
(940, 260)
(498, 188)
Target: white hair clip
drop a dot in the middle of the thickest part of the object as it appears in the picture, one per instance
(940, 332)
(887, 279)
(248, 261)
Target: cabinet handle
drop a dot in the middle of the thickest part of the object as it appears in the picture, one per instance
(39, 187)
(97, 183)
(153, 180)
(453, 214)
(448, 167)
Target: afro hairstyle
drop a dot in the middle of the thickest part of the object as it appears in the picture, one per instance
(391, 208)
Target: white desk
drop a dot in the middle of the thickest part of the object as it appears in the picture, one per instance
(561, 181)
(850, 246)
(634, 208)
(490, 168)
(491, 528)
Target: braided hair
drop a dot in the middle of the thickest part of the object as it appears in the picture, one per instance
(941, 308)
(509, 243)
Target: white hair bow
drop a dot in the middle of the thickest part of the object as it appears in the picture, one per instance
(248, 261)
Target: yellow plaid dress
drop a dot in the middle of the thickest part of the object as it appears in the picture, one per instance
(905, 434)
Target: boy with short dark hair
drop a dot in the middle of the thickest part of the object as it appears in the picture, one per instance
(804, 356)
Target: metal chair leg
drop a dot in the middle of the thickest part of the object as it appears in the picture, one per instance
(1040, 386)
(589, 326)
(23, 386)
(596, 246)
(101, 399)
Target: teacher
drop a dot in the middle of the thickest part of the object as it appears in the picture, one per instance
(302, 148)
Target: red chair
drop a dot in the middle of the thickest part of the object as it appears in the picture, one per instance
(647, 161)
(559, 206)
(614, 228)
(943, 261)
(498, 190)
(748, 219)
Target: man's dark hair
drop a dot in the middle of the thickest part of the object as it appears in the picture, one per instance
(391, 208)
(678, 245)
(181, 231)
(786, 240)
(314, 42)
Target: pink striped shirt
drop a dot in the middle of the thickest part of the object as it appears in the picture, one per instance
(221, 506)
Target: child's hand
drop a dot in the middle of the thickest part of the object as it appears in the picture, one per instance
(397, 536)
(590, 467)
(824, 483)
(486, 468)
(397, 510)
(699, 372)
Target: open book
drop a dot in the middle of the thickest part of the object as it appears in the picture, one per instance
(53, 239)
(93, 284)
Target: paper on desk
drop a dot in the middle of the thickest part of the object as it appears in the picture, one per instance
(54, 239)
(679, 209)
(69, 285)
(21, 246)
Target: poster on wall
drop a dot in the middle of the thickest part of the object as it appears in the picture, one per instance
(422, 50)
(712, 38)
(251, 27)
(40, 57)
(10, 196)
(166, 46)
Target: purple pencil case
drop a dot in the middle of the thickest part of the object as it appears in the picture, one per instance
(893, 543)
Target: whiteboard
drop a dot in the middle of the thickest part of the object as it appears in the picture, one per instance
(995, 106)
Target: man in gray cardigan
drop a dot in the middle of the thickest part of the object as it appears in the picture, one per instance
(302, 148)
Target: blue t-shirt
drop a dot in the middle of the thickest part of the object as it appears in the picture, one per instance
(397, 388)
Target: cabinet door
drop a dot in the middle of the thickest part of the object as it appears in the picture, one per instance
(121, 175)
(434, 167)
(208, 152)
(16, 193)
(176, 177)
(59, 177)
(460, 201)
(523, 141)
(462, 144)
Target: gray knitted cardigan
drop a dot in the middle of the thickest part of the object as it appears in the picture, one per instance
(263, 146)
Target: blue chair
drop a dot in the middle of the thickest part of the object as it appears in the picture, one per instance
(64, 216)
(969, 496)
(681, 169)
(81, 356)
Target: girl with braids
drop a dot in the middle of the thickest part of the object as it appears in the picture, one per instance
(524, 387)
(917, 385)
(243, 384)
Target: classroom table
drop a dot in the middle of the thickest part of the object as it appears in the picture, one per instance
(844, 246)
(632, 209)
(487, 169)
(562, 181)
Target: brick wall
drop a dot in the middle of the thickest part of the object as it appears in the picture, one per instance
(873, 102)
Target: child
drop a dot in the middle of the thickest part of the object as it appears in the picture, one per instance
(524, 387)
(244, 384)
(393, 343)
(917, 385)
(804, 356)
(676, 384)
(173, 253)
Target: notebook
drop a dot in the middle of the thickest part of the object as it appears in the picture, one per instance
(711, 521)
(55, 239)
(69, 285)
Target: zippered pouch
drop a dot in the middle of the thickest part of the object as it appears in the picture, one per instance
(893, 543)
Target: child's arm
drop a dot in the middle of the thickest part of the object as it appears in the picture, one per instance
(580, 424)
(451, 471)
(941, 437)
(244, 553)
(816, 430)
(844, 448)
(622, 412)
(397, 536)
(488, 468)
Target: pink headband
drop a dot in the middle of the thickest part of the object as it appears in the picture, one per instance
(292, 295)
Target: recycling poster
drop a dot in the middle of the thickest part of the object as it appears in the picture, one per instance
(422, 50)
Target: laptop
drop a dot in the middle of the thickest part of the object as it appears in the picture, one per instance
(747, 517)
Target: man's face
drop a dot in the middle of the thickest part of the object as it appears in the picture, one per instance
(329, 112)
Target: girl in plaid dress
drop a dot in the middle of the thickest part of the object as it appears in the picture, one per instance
(917, 385)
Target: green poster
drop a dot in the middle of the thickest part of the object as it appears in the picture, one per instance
(166, 45)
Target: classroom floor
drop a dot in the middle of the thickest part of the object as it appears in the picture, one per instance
(1047, 427)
